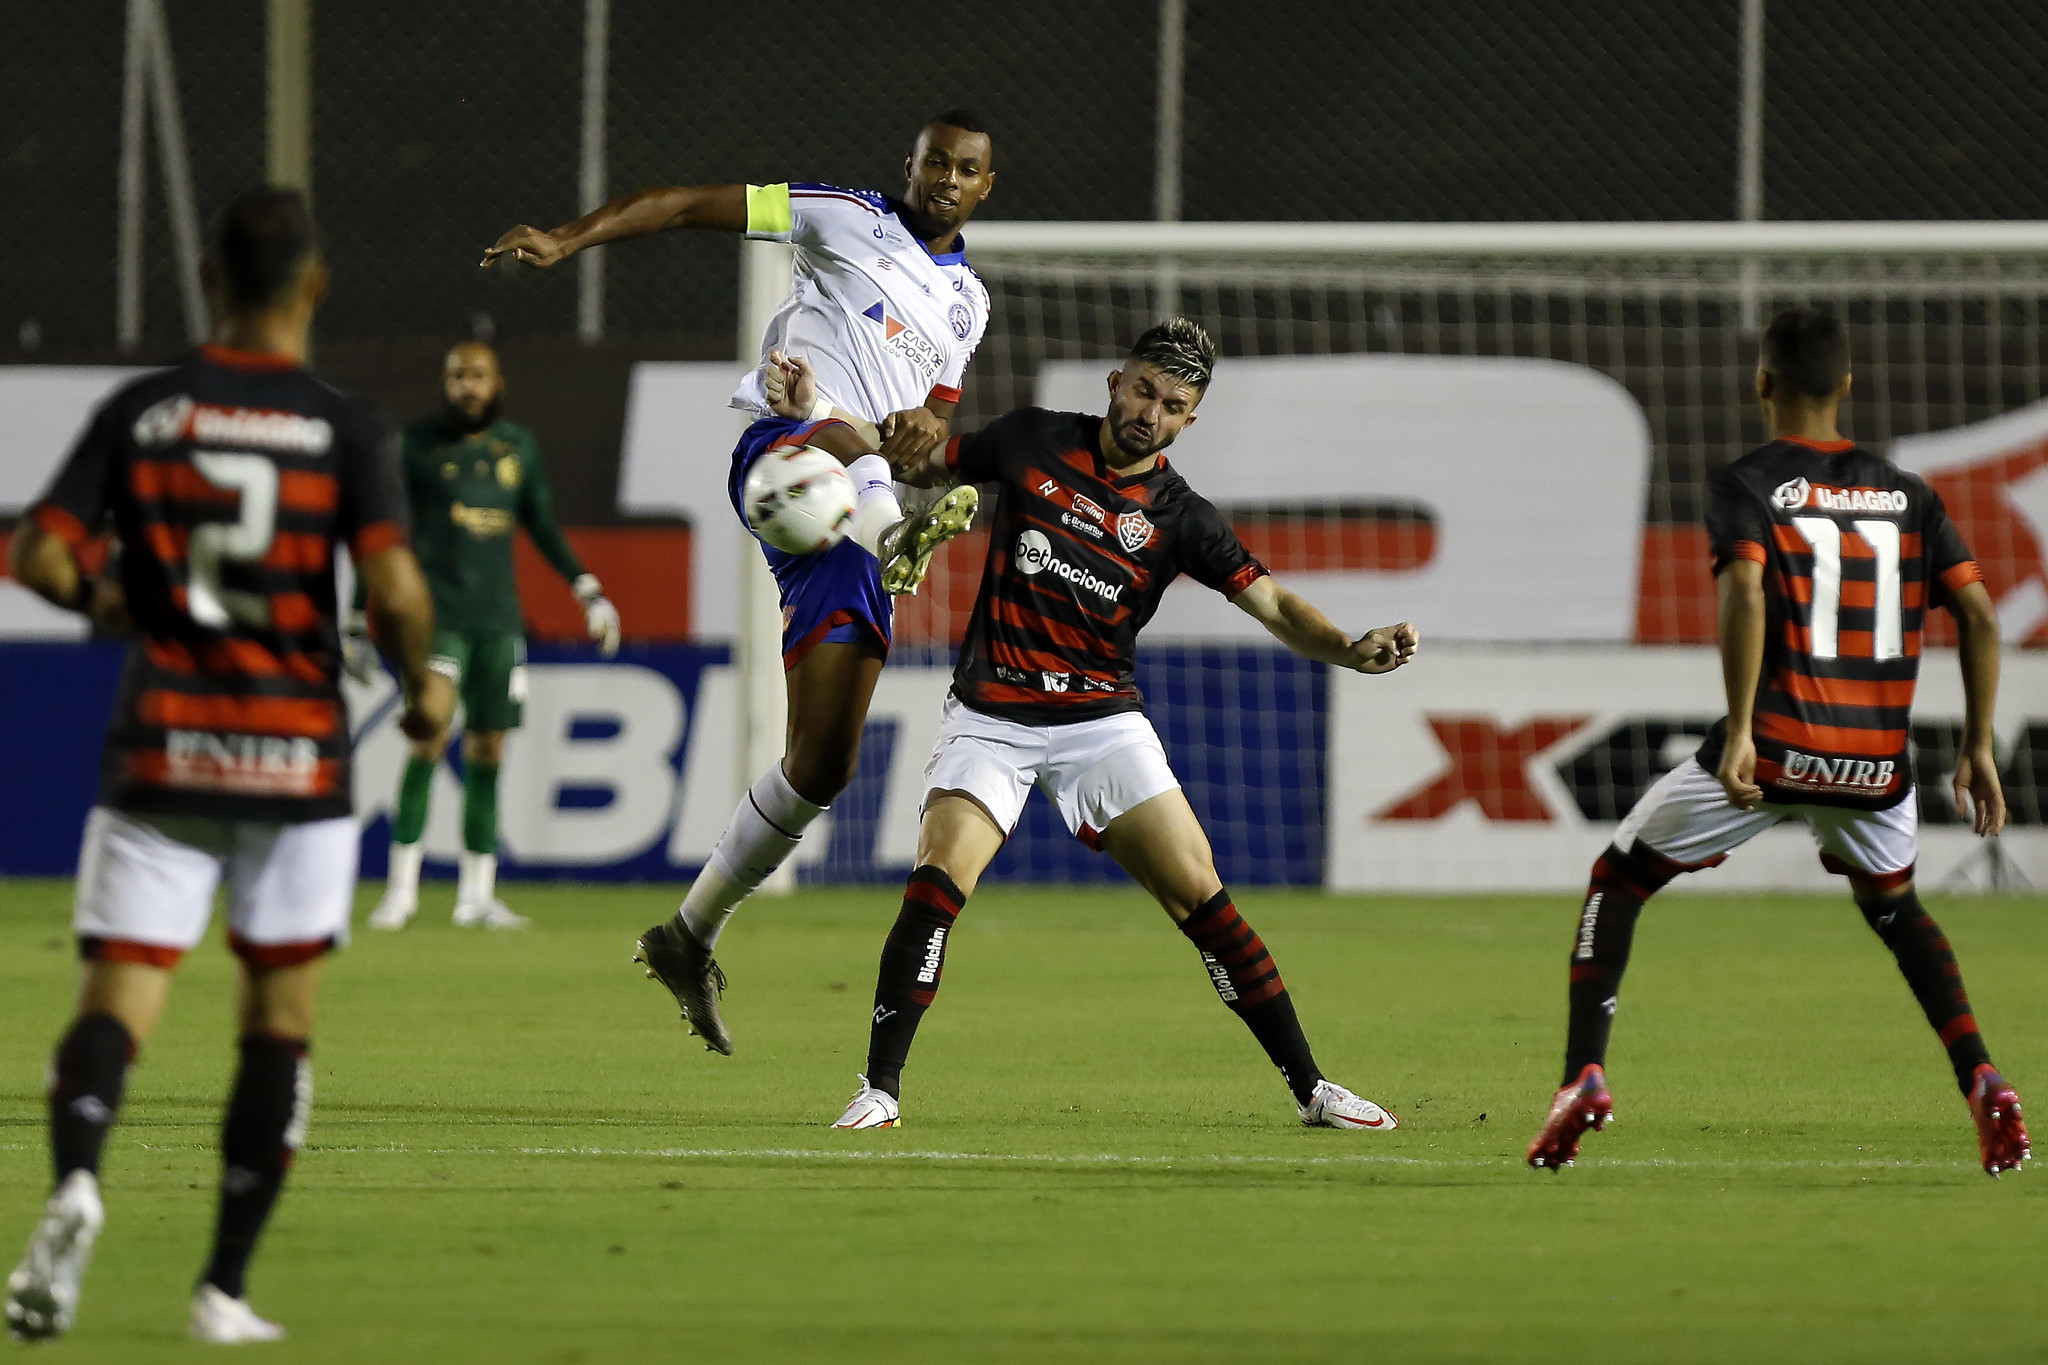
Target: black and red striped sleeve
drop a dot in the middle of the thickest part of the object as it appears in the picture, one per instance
(373, 506)
(979, 456)
(1207, 550)
(1736, 525)
(78, 498)
(1949, 561)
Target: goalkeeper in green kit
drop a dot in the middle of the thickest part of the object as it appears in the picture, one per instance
(473, 478)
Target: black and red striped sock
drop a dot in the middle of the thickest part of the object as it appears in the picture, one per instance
(1600, 947)
(913, 960)
(265, 1123)
(86, 1079)
(1246, 980)
(1929, 966)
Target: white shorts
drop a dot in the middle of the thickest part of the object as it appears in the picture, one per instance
(146, 886)
(1093, 770)
(1687, 818)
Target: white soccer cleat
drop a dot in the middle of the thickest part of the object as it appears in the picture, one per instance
(1332, 1106)
(223, 1321)
(42, 1293)
(871, 1108)
(490, 914)
(394, 912)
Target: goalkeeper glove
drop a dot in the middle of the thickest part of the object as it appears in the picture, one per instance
(600, 617)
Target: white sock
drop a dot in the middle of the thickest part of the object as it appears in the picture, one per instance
(875, 508)
(402, 882)
(476, 878)
(765, 829)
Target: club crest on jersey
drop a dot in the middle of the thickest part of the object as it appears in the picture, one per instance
(960, 320)
(1133, 531)
(900, 339)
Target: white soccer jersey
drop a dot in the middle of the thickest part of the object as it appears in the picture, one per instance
(884, 323)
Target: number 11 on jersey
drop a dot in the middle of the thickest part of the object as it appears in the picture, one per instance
(1824, 537)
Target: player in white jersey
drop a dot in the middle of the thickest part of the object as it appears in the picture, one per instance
(888, 313)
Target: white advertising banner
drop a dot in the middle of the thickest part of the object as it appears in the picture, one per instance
(1499, 452)
(1480, 768)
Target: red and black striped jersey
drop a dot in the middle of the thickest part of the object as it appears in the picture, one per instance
(1078, 559)
(227, 481)
(1855, 551)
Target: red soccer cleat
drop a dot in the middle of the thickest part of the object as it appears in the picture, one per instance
(1583, 1104)
(2001, 1136)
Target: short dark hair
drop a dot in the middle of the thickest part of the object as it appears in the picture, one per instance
(260, 242)
(964, 119)
(1179, 348)
(1807, 352)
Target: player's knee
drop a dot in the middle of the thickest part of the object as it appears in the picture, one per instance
(486, 747)
(1878, 897)
(820, 774)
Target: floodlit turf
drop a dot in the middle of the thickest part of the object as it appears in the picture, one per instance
(517, 1156)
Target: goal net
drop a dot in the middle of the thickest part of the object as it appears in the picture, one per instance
(1386, 323)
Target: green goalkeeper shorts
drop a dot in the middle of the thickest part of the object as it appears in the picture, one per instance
(490, 675)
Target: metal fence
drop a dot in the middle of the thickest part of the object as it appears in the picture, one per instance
(435, 126)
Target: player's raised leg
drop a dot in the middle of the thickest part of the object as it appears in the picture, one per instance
(829, 689)
(1162, 845)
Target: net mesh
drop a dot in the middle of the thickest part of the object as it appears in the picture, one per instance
(1938, 343)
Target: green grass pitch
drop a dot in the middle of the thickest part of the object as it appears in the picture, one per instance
(517, 1155)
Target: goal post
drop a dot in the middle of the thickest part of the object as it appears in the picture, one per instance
(1946, 322)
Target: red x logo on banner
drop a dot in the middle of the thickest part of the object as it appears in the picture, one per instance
(1488, 765)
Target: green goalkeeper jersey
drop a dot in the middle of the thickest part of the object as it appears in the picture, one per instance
(470, 493)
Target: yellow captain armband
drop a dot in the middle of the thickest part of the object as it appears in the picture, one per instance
(768, 210)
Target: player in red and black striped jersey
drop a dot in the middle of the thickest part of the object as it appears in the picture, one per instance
(228, 482)
(1079, 556)
(1852, 551)
(1828, 559)
(1091, 525)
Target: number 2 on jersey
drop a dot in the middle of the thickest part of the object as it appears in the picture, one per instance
(1824, 537)
(246, 538)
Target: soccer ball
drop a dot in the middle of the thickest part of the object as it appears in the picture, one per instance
(799, 500)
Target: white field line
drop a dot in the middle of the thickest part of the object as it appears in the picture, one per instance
(1198, 1159)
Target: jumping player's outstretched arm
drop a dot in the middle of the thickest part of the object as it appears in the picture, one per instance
(640, 214)
(1298, 625)
(1978, 791)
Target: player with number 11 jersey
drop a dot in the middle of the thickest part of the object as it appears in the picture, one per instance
(1827, 560)
(1854, 550)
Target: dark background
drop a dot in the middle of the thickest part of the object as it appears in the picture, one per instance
(438, 125)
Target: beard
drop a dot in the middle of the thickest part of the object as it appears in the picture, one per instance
(1135, 446)
(462, 424)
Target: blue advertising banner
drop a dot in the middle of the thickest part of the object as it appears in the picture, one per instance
(628, 768)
